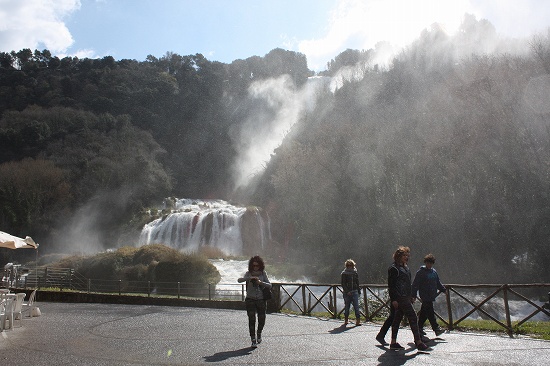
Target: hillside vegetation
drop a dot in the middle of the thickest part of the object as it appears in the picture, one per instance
(155, 262)
(445, 148)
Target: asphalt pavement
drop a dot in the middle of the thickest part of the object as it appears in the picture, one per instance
(105, 334)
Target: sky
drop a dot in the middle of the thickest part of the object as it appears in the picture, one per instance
(227, 30)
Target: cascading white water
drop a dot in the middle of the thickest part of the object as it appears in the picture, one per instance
(192, 224)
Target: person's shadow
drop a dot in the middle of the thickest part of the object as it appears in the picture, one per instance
(222, 356)
(395, 357)
(339, 329)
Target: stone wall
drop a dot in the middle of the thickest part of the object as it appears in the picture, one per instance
(69, 296)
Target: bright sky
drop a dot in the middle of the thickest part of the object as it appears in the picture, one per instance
(226, 30)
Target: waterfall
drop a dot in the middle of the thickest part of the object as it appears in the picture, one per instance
(189, 225)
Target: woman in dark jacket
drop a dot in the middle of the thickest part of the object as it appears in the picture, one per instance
(256, 280)
(350, 286)
(400, 289)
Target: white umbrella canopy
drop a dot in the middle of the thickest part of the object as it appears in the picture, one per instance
(13, 242)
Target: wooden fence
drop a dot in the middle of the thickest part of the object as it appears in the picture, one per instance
(489, 301)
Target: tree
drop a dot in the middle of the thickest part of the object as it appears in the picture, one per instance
(540, 47)
(33, 193)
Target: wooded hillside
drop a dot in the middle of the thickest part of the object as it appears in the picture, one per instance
(446, 149)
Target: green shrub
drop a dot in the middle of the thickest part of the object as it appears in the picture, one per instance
(189, 269)
(153, 262)
(155, 252)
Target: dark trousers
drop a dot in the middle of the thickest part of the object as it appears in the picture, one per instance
(405, 308)
(427, 312)
(387, 323)
(254, 307)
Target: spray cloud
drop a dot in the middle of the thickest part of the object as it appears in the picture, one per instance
(264, 131)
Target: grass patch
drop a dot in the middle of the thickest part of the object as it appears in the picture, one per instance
(57, 289)
(535, 329)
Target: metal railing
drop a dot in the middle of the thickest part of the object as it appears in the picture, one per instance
(67, 279)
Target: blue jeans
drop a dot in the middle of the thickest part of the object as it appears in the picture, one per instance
(348, 300)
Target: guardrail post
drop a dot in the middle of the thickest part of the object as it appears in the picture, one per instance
(507, 310)
(277, 295)
(89, 285)
(304, 312)
(449, 309)
(179, 289)
(209, 291)
(148, 288)
(366, 302)
(335, 301)
(119, 287)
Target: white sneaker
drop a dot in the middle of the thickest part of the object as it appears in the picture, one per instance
(254, 344)
(259, 340)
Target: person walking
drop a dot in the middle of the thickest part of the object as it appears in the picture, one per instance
(427, 284)
(351, 290)
(400, 290)
(381, 336)
(256, 280)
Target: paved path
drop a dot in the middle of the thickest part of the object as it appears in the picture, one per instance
(103, 334)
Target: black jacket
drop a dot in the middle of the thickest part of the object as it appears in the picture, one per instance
(399, 282)
(349, 280)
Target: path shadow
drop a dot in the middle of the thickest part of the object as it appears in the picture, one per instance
(394, 358)
(436, 341)
(412, 347)
(340, 329)
(433, 341)
(222, 356)
(399, 357)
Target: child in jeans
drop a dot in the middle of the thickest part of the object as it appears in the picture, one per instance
(350, 286)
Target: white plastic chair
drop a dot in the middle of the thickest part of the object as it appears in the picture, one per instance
(18, 306)
(7, 314)
(27, 306)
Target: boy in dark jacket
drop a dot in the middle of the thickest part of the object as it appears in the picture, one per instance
(427, 283)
